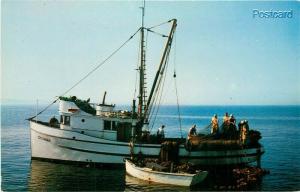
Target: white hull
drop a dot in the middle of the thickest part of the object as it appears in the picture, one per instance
(181, 179)
(65, 145)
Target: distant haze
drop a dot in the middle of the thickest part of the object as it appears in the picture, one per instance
(222, 54)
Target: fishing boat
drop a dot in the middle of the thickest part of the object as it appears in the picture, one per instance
(98, 133)
(180, 179)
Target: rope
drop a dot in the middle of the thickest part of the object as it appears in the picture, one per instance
(163, 79)
(89, 73)
(100, 64)
(178, 109)
(160, 24)
(43, 109)
(175, 82)
(160, 34)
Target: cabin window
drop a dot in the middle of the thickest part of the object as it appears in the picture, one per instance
(107, 125)
(65, 120)
(110, 125)
(114, 126)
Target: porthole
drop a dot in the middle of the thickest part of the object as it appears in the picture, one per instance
(82, 120)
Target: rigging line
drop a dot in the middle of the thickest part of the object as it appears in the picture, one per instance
(174, 53)
(163, 79)
(168, 89)
(137, 69)
(166, 92)
(174, 66)
(158, 89)
(153, 104)
(157, 33)
(100, 64)
(160, 24)
(160, 99)
(175, 81)
(88, 74)
(30, 118)
(154, 107)
(159, 102)
(160, 94)
(178, 109)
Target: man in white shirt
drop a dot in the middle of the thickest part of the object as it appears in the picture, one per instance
(161, 133)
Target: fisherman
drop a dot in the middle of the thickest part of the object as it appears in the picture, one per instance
(226, 122)
(246, 125)
(231, 131)
(244, 134)
(232, 120)
(241, 123)
(161, 133)
(244, 131)
(226, 119)
(192, 131)
(215, 124)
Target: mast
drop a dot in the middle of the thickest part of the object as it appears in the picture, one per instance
(160, 70)
(142, 87)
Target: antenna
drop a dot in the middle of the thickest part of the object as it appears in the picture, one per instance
(143, 13)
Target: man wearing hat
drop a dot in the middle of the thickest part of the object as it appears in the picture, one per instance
(214, 124)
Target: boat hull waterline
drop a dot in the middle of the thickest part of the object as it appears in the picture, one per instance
(64, 145)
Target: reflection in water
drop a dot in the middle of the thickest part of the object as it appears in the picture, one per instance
(135, 184)
(45, 176)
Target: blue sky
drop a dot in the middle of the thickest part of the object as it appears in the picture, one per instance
(224, 56)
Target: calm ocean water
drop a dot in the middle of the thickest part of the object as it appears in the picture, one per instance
(279, 125)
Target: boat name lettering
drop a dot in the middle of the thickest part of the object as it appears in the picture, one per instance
(43, 138)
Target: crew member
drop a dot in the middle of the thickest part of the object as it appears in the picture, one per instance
(161, 133)
(226, 119)
(192, 131)
(226, 122)
(244, 132)
(241, 123)
(232, 119)
(215, 124)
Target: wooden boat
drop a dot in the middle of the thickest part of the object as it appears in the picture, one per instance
(181, 179)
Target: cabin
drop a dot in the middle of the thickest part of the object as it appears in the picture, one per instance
(96, 120)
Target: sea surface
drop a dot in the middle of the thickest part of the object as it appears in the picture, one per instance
(279, 126)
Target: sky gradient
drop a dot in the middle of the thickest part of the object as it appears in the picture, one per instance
(224, 56)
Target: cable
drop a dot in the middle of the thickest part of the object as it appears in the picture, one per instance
(157, 33)
(137, 69)
(89, 73)
(175, 81)
(100, 64)
(43, 109)
(160, 24)
(178, 109)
